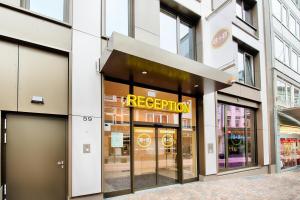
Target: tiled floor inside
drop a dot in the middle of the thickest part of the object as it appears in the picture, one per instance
(284, 186)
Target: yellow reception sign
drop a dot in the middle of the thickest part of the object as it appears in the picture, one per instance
(156, 104)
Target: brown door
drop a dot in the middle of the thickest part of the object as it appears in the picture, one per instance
(35, 158)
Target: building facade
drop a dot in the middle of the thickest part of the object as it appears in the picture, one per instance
(283, 68)
(107, 97)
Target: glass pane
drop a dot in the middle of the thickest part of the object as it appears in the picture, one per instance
(298, 30)
(292, 24)
(167, 156)
(248, 13)
(250, 133)
(239, 9)
(117, 17)
(281, 92)
(155, 116)
(279, 49)
(241, 68)
(144, 157)
(221, 136)
(294, 60)
(296, 97)
(186, 43)
(288, 152)
(284, 16)
(276, 9)
(50, 8)
(289, 94)
(116, 138)
(236, 136)
(168, 36)
(286, 55)
(189, 140)
(249, 76)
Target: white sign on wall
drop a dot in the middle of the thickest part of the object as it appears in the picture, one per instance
(116, 139)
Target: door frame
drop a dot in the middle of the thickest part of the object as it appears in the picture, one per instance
(3, 125)
(156, 126)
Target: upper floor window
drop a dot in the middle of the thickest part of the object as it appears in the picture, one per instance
(245, 68)
(116, 17)
(244, 10)
(292, 24)
(57, 9)
(282, 51)
(280, 12)
(176, 35)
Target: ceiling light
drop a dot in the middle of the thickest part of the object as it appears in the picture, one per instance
(144, 72)
(196, 86)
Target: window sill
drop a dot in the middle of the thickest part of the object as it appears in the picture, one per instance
(249, 25)
(37, 15)
(249, 86)
(233, 171)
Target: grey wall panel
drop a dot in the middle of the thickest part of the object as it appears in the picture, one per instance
(8, 76)
(34, 30)
(43, 74)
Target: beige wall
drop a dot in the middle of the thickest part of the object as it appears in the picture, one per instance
(26, 72)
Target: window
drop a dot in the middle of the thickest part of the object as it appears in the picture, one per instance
(284, 93)
(276, 5)
(279, 52)
(244, 11)
(284, 19)
(116, 17)
(57, 9)
(245, 68)
(176, 41)
(296, 97)
(236, 141)
(286, 55)
(292, 22)
(294, 60)
(298, 30)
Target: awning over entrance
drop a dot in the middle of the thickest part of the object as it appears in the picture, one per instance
(128, 59)
(293, 113)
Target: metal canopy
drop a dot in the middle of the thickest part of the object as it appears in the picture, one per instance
(293, 112)
(126, 59)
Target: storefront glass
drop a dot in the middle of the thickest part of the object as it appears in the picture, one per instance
(289, 146)
(189, 145)
(116, 137)
(236, 136)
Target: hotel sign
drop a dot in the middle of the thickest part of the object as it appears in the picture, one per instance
(152, 103)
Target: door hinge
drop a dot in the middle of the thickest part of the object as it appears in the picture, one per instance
(4, 189)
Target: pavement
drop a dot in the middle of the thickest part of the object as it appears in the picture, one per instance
(283, 186)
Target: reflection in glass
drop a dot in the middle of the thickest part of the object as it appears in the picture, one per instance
(281, 92)
(189, 144)
(296, 97)
(167, 156)
(221, 135)
(241, 69)
(116, 138)
(117, 17)
(249, 69)
(236, 136)
(168, 40)
(186, 42)
(50, 8)
(154, 116)
(144, 157)
(288, 152)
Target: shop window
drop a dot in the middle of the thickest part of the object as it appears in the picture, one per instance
(236, 141)
(176, 34)
(289, 152)
(245, 68)
(57, 9)
(117, 17)
(116, 138)
(189, 140)
(244, 10)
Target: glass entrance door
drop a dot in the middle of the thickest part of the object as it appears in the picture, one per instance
(155, 156)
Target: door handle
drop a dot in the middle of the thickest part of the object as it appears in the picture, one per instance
(60, 163)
